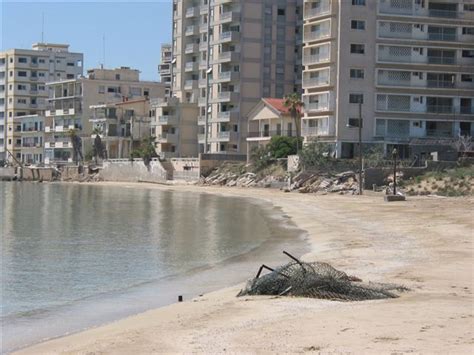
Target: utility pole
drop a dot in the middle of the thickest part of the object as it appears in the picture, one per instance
(361, 187)
(394, 154)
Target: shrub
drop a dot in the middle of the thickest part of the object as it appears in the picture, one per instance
(316, 155)
(282, 146)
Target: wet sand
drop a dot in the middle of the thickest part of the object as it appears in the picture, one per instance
(424, 243)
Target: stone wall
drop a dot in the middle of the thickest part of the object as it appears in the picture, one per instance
(132, 171)
(35, 174)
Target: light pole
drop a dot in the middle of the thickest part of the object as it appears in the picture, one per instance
(361, 188)
(394, 155)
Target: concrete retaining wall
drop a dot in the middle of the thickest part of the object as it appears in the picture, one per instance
(132, 171)
(36, 174)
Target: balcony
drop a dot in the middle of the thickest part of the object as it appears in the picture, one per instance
(223, 136)
(314, 82)
(317, 103)
(316, 36)
(226, 57)
(266, 135)
(191, 48)
(314, 9)
(225, 96)
(440, 109)
(191, 66)
(203, 9)
(191, 31)
(227, 116)
(167, 120)
(225, 77)
(167, 138)
(190, 84)
(192, 12)
(408, 55)
(226, 17)
(229, 36)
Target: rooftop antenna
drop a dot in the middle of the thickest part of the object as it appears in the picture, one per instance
(103, 50)
(42, 27)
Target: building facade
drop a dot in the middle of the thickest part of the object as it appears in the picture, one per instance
(71, 101)
(408, 63)
(227, 55)
(164, 68)
(23, 75)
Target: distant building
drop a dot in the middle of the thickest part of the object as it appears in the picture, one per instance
(23, 75)
(71, 101)
(121, 126)
(227, 55)
(410, 64)
(164, 68)
(30, 130)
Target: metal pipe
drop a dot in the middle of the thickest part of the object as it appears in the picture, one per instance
(206, 116)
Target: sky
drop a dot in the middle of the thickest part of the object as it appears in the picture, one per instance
(133, 30)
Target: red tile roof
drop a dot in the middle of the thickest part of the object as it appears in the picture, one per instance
(277, 104)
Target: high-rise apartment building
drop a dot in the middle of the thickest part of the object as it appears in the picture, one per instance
(410, 63)
(164, 68)
(72, 106)
(227, 55)
(23, 74)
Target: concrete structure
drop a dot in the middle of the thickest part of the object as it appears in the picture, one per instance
(409, 62)
(71, 100)
(227, 55)
(164, 68)
(23, 74)
(30, 130)
(268, 119)
(175, 127)
(121, 126)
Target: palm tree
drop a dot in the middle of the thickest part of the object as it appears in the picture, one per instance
(294, 105)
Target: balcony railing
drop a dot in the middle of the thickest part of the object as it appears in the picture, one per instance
(439, 133)
(443, 13)
(442, 36)
(324, 8)
(315, 82)
(466, 110)
(440, 84)
(271, 133)
(315, 59)
(439, 109)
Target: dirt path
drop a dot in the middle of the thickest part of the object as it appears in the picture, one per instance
(424, 243)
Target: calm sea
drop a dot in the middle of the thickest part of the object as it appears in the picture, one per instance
(76, 256)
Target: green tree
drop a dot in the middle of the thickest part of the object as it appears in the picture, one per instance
(295, 106)
(76, 142)
(282, 146)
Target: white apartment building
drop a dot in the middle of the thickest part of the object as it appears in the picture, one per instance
(227, 55)
(409, 62)
(72, 104)
(23, 74)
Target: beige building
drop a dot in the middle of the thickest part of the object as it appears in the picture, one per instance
(71, 101)
(269, 118)
(121, 126)
(23, 74)
(409, 62)
(30, 130)
(175, 128)
(164, 68)
(227, 55)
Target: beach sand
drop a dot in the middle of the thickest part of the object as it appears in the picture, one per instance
(425, 243)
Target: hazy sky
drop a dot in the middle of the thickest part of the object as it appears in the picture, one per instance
(133, 30)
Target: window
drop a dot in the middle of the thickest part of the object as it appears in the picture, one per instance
(58, 61)
(42, 61)
(281, 12)
(467, 78)
(468, 7)
(21, 87)
(70, 64)
(146, 92)
(21, 101)
(468, 53)
(70, 76)
(22, 60)
(117, 76)
(41, 74)
(358, 2)
(101, 89)
(354, 122)
(357, 48)
(21, 73)
(468, 30)
(113, 89)
(356, 98)
(357, 73)
(358, 25)
(136, 91)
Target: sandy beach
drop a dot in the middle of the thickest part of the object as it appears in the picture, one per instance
(425, 243)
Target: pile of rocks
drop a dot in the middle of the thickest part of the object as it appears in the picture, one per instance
(246, 179)
(323, 183)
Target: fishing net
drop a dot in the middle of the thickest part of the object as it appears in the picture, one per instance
(317, 280)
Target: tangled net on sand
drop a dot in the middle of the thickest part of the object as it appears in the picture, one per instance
(317, 280)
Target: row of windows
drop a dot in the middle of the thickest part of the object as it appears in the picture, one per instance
(36, 60)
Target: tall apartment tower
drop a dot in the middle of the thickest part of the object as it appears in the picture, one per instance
(227, 55)
(164, 68)
(23, 74)
(410, 63)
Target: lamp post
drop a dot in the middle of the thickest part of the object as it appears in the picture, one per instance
(361, 187)
(394, 155)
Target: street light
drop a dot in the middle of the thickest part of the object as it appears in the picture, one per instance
(394, 156)
(360, 148)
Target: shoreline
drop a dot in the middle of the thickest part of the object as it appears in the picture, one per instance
(351, 234)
